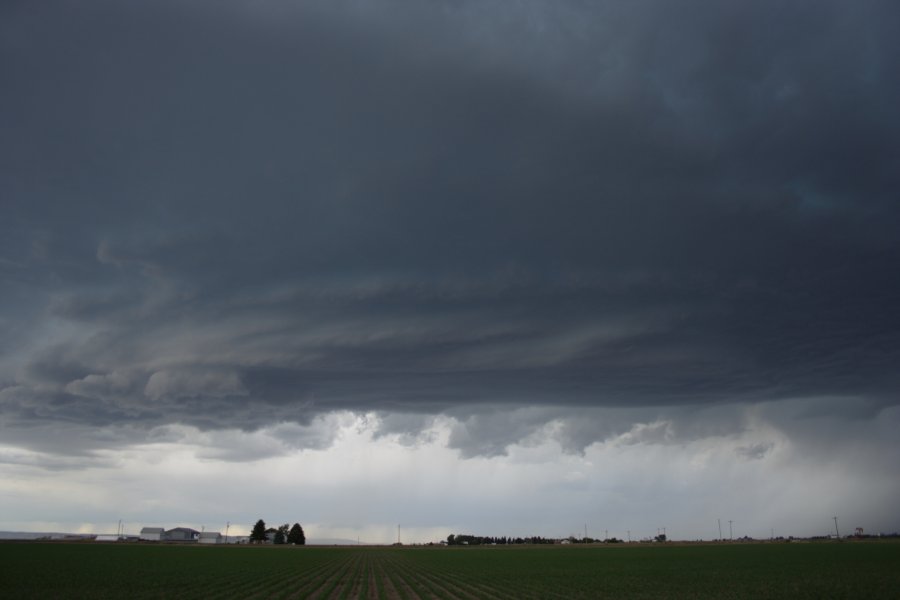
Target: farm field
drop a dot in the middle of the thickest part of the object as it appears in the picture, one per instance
(799, 570)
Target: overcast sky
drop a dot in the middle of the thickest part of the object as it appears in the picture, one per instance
(492, 267)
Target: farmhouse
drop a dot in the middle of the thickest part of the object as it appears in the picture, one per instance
(153, 534)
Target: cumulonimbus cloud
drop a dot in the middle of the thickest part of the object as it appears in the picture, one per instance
(436, 212)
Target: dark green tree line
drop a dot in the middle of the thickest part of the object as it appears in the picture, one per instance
(283, 534)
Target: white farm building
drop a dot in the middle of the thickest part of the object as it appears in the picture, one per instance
(153, 534)
(210, 537)
(182, 534)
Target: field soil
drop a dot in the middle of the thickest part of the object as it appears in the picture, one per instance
(98, 570)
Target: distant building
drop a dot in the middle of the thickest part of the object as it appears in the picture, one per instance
(210, 537)
(153, 534)
(106, 537)
(182, 534)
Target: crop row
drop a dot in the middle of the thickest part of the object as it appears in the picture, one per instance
(337, 573)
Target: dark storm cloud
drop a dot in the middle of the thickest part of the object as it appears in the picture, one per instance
(754, 451)
(233, 214)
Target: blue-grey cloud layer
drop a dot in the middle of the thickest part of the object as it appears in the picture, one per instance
(231, 214)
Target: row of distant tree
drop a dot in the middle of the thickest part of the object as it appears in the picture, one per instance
(283, 534)
(478, 540)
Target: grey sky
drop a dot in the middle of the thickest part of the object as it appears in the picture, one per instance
(597, 215)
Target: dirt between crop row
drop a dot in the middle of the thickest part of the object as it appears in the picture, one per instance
(375, 576)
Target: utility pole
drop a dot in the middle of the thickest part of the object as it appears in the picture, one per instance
(730, 531)
(629, 535)
(398, 533)
(720, 529)
(585, 531)
(836, 532)
(227, 526)
(606, 532)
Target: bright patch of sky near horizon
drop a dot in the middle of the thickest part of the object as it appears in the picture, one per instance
(363, 486)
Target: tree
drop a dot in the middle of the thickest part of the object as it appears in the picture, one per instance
(296, 535)
(258, 534)
(281, 534)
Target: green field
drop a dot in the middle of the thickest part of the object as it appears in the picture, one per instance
(798, 570)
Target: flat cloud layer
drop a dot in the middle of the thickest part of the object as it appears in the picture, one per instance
(588, 216)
